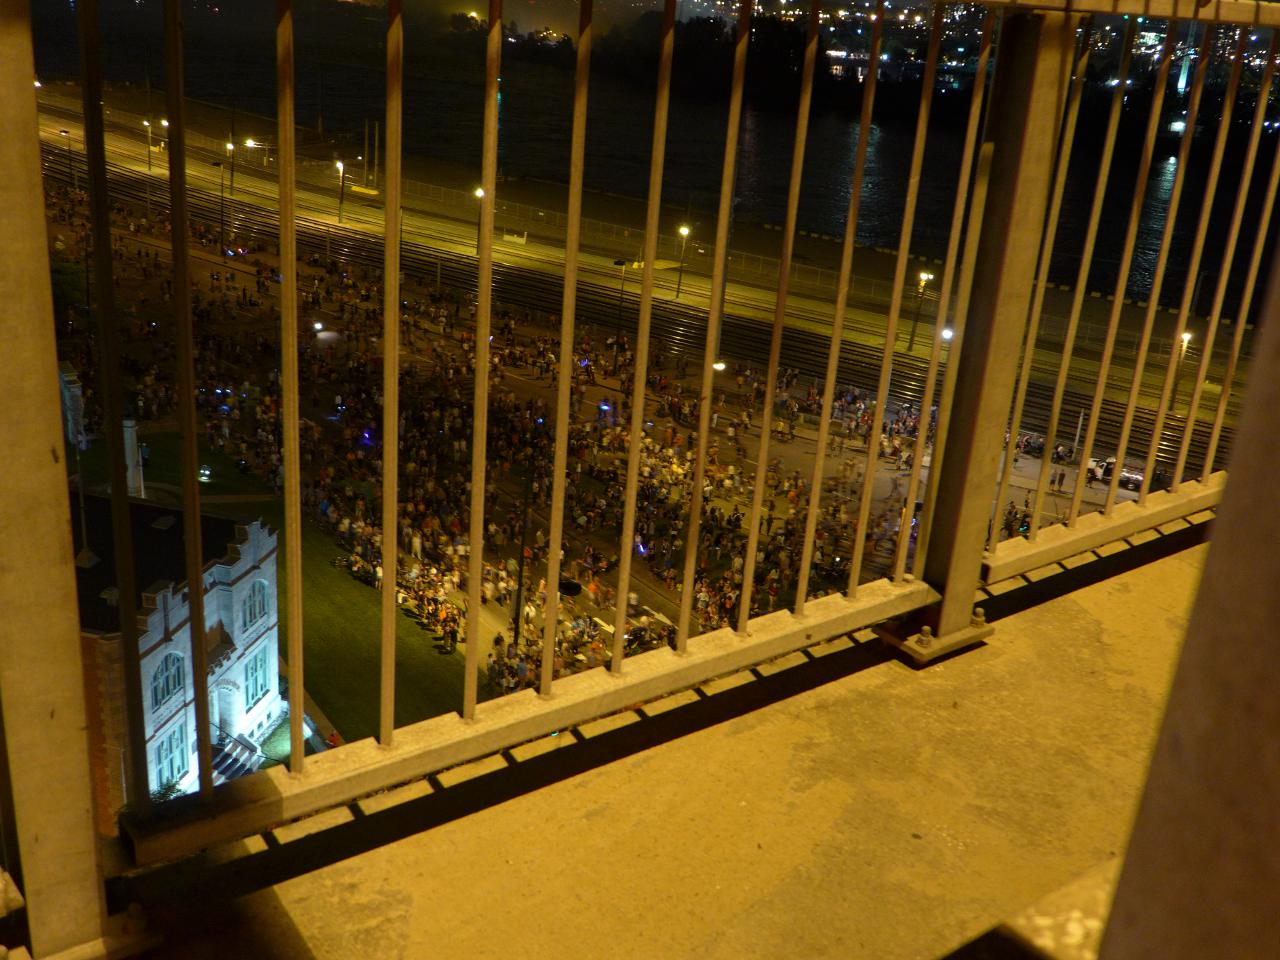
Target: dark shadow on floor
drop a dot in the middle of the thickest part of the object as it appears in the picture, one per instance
(995, 945)
(256, 927)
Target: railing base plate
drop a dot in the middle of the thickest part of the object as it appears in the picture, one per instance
(925, 647)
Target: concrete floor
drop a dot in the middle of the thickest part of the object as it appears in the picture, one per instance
(885, 814)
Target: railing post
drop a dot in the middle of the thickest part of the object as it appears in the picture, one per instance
(1022, 130)
(41, 678)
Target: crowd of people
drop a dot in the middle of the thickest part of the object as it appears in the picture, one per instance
(238, 397)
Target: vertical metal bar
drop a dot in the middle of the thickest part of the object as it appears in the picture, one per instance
(1246, 301)
(289, 400)
(1067, 141)
(895, 300)
(842, 299)
(136, 777)
(714, 315)
(968, 268)
(1082, 278)
(185, 334)
(391, 372)
(1023, 123)
(1122, 279)
(577, 151)
(1233, 235)
(653, 210)
(1162, 259)
(1193, 267)
(45, 766)
(944, 298)
(484, 307)
(1139, 192)
(780, 314)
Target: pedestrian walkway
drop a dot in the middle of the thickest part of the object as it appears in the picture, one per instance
(810, 822)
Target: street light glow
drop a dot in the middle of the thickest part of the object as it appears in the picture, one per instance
(38, 84)
(684, 230)
(925, 276)
(718, 365)
(479, 190)
(1186, 338)
(251, 142)
(146, 123)
(164, 123)
(230, 147)
(340, 167)
(947, 333)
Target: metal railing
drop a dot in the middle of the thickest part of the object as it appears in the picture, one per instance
(908, 562)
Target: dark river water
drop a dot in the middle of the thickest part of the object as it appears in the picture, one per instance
(230, 58)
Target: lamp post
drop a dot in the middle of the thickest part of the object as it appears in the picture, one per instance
(252, 144)
(71, 171)
(222, 210)
(231, 155)
(617, 336)
(1177, 372)
(147, 124)
(684, 240)
(925, 277)
(342, 188)
(479, 195)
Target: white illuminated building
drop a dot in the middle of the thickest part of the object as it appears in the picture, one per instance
(241, 626)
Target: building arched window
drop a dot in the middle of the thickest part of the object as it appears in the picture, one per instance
(168, 681)
(255, 604)
(172, 758)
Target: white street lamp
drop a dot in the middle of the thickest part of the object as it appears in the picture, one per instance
(684, 239)
(925, 277)
(342, 186)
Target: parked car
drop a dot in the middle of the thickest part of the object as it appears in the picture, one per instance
(1130, 476)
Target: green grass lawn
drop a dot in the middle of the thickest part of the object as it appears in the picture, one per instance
(341, 616)
(342, 643)
(276, 744)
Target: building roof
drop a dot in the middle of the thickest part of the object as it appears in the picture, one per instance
(158, 546)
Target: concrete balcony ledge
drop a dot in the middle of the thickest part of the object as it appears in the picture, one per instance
(1091, 530)
(266, 799)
